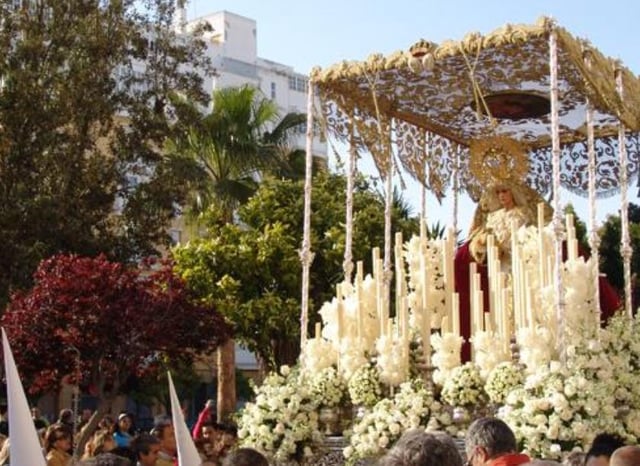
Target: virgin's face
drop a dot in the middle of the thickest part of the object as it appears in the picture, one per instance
(505, 197)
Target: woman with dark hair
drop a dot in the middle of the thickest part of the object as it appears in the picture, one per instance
(123, 432)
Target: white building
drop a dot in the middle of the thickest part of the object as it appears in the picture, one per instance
(232, 47)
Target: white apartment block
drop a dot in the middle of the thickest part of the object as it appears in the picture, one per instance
(232, 47)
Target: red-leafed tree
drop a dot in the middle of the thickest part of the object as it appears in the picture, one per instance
(102, 323)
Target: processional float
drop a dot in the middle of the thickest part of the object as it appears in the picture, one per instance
(424, 110)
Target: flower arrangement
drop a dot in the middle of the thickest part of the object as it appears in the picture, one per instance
(488, 354)
(465, 387)
(562, 407)
(282, 422)
(328, 388)
(392, 360)
(353, 353)
(318, 354)
(537, 347)
(420, 256)
(446, 356)
(388, 419)
(623, 348)
(364, 386)
(502, 380)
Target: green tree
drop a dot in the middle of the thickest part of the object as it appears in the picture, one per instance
(252, 271)
(242, 138)
(84, 109)
(610, 257)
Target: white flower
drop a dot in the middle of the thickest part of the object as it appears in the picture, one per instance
(503, 380)
(364, 386)
(327, 387)
(464, 387)
(386, 421)
(282, 419)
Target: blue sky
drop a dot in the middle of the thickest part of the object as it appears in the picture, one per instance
(304, 34)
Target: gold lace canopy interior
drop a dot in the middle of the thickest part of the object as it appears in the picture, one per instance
(427, 104)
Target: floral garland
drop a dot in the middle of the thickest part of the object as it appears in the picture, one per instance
(282, 422)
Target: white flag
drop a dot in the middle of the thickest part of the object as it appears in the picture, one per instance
(187, 451)
(25, 448)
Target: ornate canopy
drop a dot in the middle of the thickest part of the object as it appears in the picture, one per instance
(428, 104)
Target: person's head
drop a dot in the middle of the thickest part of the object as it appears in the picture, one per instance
(505, 196)
(625, 456)
(35, 412)
(106, 423)
(57, 437)
(86, 414)
(65, 416)
(124, 423)
(102, 442)
(210, 432)
(575, 458)
(226, 438)
(488, 438)
(245, 457)
(145, 447)
(602, 448)
(167, 437)
(106, 459)
(419, 448)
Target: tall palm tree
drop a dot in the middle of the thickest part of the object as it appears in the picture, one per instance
(230, 148)
(242, 139)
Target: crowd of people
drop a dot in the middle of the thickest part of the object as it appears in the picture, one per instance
(489, 442)
(117, 442)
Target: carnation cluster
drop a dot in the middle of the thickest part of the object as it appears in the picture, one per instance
(328, 388)
(464, 387)
(364, 386)
(502, 380)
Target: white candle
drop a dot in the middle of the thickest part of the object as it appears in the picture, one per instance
(340, 323)
(318, 330)
(541, 248)
(456, 314)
